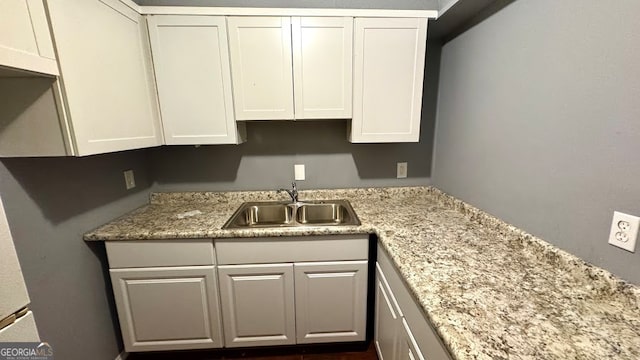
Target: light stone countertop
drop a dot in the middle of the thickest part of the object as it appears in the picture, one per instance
(490, 290)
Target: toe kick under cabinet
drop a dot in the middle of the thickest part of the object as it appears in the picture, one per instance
(183, 294)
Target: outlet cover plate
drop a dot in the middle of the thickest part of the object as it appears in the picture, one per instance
(401, 170)
(129, 179)
(298, 172)
(624, 231)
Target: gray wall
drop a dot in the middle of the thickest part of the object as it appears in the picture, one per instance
(266, 161)
(353, 4)
(50, 203)
(539, 122)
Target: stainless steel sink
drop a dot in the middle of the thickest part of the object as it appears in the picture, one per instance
(267, 214)
(283, 214)
(327, 213)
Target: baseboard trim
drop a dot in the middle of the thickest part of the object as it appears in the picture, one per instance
(122, 356)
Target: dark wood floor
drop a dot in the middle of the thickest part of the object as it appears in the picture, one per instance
(323, 352)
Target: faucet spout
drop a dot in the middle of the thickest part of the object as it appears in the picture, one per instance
(293, 193)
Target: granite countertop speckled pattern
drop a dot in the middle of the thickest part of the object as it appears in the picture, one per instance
(491, 290)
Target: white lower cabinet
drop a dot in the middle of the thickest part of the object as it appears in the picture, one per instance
(408, 349)
(183, 294)
(331, 301)
(166, 293)
(315, 293)
(167, 308)
(387, 319)
(257, 304)
(402, 332)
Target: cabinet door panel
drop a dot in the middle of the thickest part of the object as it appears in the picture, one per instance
(25, 41)
(331, 301)
(322, 62)
(261, 67)
(106, 72)
(191, 60)
(257, 304)
(387, 319)
(168, 308)
(388, 76)
(409, 349)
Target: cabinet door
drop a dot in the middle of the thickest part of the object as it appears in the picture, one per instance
(387, 319)
(106, 74)
(257, 304)
(261, 67)
(25, 41)
(331, 301)
(170, 308)
(322, 63)
(389, 55)
(409, 349)
(191, 61)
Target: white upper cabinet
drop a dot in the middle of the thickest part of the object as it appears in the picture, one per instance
(25, 41)
(193, 75)
(275, 60)
(107, 83)
(389, 58)
(261, 67)
(322, 67)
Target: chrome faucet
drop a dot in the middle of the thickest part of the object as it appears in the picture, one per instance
(293, 192)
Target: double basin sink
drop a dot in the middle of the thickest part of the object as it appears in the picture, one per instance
(285, 214)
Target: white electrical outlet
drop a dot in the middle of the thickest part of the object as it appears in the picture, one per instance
(129, 179)
(624, 231)
(401, 171)
(298, 172)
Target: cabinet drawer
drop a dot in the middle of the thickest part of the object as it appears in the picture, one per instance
(292, 249)
(133, 254)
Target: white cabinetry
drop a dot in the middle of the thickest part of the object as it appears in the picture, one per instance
(109, 102)
(402, 332)
(263, 303)
(257, 304)
(191, 61)
(261, 67)
(25, 41)
(387, 319)
(409, 349)
(274, 57)
(389, 58)
(162, 306)
(331, 301)
(322, 64)
(104, 99)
